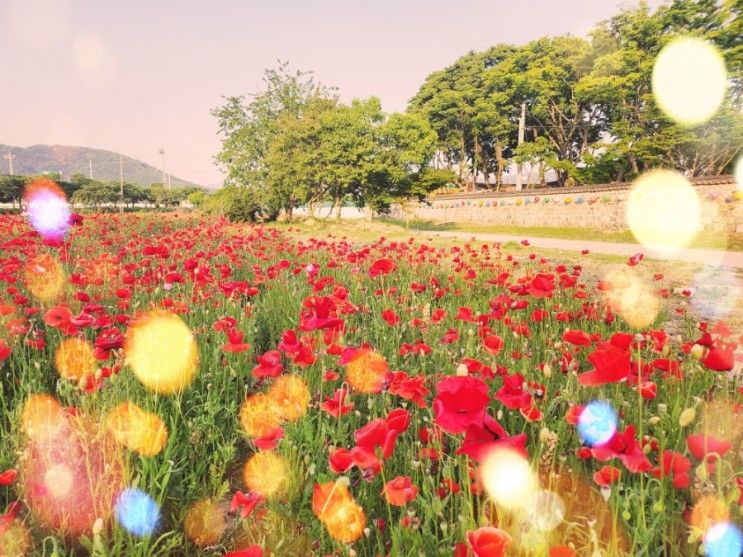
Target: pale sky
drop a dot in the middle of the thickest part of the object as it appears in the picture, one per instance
(136, 75)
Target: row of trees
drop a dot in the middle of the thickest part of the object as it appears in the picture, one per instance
(590, 111)
(295, 144)
(95, 193)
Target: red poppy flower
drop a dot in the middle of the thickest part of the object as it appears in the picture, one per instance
(542, 286)
(675, 465)
(493, 344)
(512, 394)
(337, 406)
(8, 477)
(245, 503)
(610, 365)
(720, 358)
(706, 446)
(409, 388)
(578, 338)
(340, 460)
(607, 475)
(381, 267)
(489, 541)
(625, 447)
(481, 439)
(561, 550)
(460, 402)
(390, 317)
(269, 365)
(400, 491)
(235, 343)
(251, 551)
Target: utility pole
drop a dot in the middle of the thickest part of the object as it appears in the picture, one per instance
(522, 126)
(121, 182)
(168, 180)
(10, 156)
(162, 152)
(90, 167)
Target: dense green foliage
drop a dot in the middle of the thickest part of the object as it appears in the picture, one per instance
(590, 111)
(296, 144)
(97, 194)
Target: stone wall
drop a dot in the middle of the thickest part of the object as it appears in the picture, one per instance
(600, 208)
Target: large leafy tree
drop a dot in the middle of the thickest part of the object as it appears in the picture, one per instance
(248, 125)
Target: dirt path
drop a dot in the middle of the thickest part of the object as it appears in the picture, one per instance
(733, 259)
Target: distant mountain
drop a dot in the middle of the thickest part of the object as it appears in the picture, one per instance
(68, 160)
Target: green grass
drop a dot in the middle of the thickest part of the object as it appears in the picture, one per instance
(207, 448)
(734, 242)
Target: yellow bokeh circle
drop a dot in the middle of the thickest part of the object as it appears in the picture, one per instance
(44, 277)
(138, 430)
(75, 359)
(204, 523)
(689, 80)
(162, 352)
(664, 211)
(266, 473)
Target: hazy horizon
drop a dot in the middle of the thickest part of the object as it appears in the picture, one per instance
(133, 78)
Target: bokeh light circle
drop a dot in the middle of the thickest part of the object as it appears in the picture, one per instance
(75, 359)
(162, 352)
(266, 473)
(47, 209)
(663, 211)
(689, 80)
(597, 423)
(204, 523)
(136, 429)
(44, 277)
(626, 293)
(545, 510)
(88, 51)
(137, 512)
(723, 540)
(507, 478)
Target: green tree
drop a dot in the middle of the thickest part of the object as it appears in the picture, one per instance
(247, 128)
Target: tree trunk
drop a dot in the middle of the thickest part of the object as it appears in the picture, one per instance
(501, 164)
(338, 203)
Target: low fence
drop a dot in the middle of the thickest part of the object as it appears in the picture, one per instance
(600, 207)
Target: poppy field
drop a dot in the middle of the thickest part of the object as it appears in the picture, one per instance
(180, 385)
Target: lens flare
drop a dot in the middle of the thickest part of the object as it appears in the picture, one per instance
(88, 52)
(291, 396)
(44, 277)
(545, 510)
(628, 295)
(259, 415)
(664, 212)
(47, 209)
(137, 512)
(42, 417)
(58, 480)
(162, 352)
(689, 80)
(15, 539)
(75, 359)
(266, 473)
(136, 429)
(70, 468)
(204, 523)
(508, 478)
(597, 423)
(723, 540)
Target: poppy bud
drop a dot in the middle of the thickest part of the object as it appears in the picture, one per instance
(687, 416)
